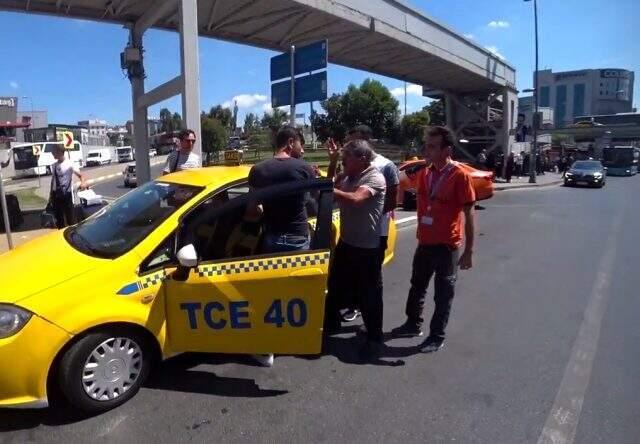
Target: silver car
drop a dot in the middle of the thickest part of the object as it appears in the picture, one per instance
(129, 174)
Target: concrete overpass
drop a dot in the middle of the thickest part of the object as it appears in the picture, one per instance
(387, 37)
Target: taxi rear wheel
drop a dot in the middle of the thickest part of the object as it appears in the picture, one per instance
(104, 369)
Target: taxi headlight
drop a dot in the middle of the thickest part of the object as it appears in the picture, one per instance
(12, 319)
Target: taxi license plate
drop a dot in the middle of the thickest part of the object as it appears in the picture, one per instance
(582, 182)
(232, 156)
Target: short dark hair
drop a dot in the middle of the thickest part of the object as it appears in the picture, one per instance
(185, 133)
(447, 137)
(288, 132)
(364, 130)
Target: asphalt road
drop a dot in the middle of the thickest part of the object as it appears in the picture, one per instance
(114, 188)
(543, 341)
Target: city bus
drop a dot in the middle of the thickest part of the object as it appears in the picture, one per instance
(621, 160)
(35, 159)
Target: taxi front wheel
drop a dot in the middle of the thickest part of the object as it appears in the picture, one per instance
(104, 369)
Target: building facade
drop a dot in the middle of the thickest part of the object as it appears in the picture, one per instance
(36, 119)
(585, 92)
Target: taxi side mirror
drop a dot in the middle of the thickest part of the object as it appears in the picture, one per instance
(188, 256)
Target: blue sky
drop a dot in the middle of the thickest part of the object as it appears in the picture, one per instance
(71, 68)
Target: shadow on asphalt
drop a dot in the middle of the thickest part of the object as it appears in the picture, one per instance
(346, 350)
(173, 375)
(177, 375)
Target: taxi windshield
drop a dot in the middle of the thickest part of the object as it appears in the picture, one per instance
(122, 225)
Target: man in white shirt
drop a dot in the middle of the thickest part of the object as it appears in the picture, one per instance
(183, 158)
(61, 196)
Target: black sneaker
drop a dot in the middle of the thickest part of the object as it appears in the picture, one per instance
(407, 330)
(350, 315)
(370, 351)
(431, 345)
(362, 330)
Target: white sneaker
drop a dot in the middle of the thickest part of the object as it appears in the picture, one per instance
(264, 360)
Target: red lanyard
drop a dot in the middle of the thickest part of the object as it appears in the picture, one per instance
(434, 187)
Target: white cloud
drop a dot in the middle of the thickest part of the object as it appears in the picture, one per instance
(494, 50)
(245, 100)
(13, 84)
(266, 107)
(415, 90)
(470, 36)
(499, 24)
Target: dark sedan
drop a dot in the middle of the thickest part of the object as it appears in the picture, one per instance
(586, 173)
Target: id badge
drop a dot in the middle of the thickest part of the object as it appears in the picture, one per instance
(426, 220)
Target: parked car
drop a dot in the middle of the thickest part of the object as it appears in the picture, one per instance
(482, 182)
(129, 174)
(153, 152)
(586, 173)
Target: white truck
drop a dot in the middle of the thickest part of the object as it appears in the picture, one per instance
(125, 154)
(100, 156)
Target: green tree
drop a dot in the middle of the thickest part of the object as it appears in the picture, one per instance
(412, 127)
(166, 121)
(273, 121)
(214, 136)
(251, 123)
(223, 115)
(177, 122)
(369, 104)
(436, 113)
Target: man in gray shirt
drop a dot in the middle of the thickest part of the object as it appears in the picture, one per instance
(355, 267)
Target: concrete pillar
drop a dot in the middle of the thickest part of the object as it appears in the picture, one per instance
(190, 65)
(140, 129)
(509, 122)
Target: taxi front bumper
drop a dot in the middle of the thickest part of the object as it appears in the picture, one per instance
(25, 360)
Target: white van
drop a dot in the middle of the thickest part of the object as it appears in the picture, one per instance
(99, 157)
(125, 154)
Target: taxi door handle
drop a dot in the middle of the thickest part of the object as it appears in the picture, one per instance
(306, 272)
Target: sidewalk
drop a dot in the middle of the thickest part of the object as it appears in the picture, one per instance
(545, 180)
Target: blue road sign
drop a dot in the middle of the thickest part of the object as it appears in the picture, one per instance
(308, 89)
(307, 58)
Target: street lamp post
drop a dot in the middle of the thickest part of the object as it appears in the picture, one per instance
(534, 146)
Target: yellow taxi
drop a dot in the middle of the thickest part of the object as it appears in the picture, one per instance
(171, 267)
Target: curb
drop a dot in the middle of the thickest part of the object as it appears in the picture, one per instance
(533, 185)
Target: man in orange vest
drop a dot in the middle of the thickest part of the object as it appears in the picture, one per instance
(445, 192)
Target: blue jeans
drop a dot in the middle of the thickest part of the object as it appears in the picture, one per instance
(278, 243)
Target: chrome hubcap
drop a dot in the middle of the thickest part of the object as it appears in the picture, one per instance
(112, 368)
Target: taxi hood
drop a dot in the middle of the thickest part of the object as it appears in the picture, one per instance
(39, 265)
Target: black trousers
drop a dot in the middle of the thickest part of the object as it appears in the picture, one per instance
(63, 210)
(428, 260)
(355, 271)
(351, 301)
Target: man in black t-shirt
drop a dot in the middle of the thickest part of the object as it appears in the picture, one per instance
(285, 219)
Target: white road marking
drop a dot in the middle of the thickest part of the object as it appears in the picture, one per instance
(562, 423)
